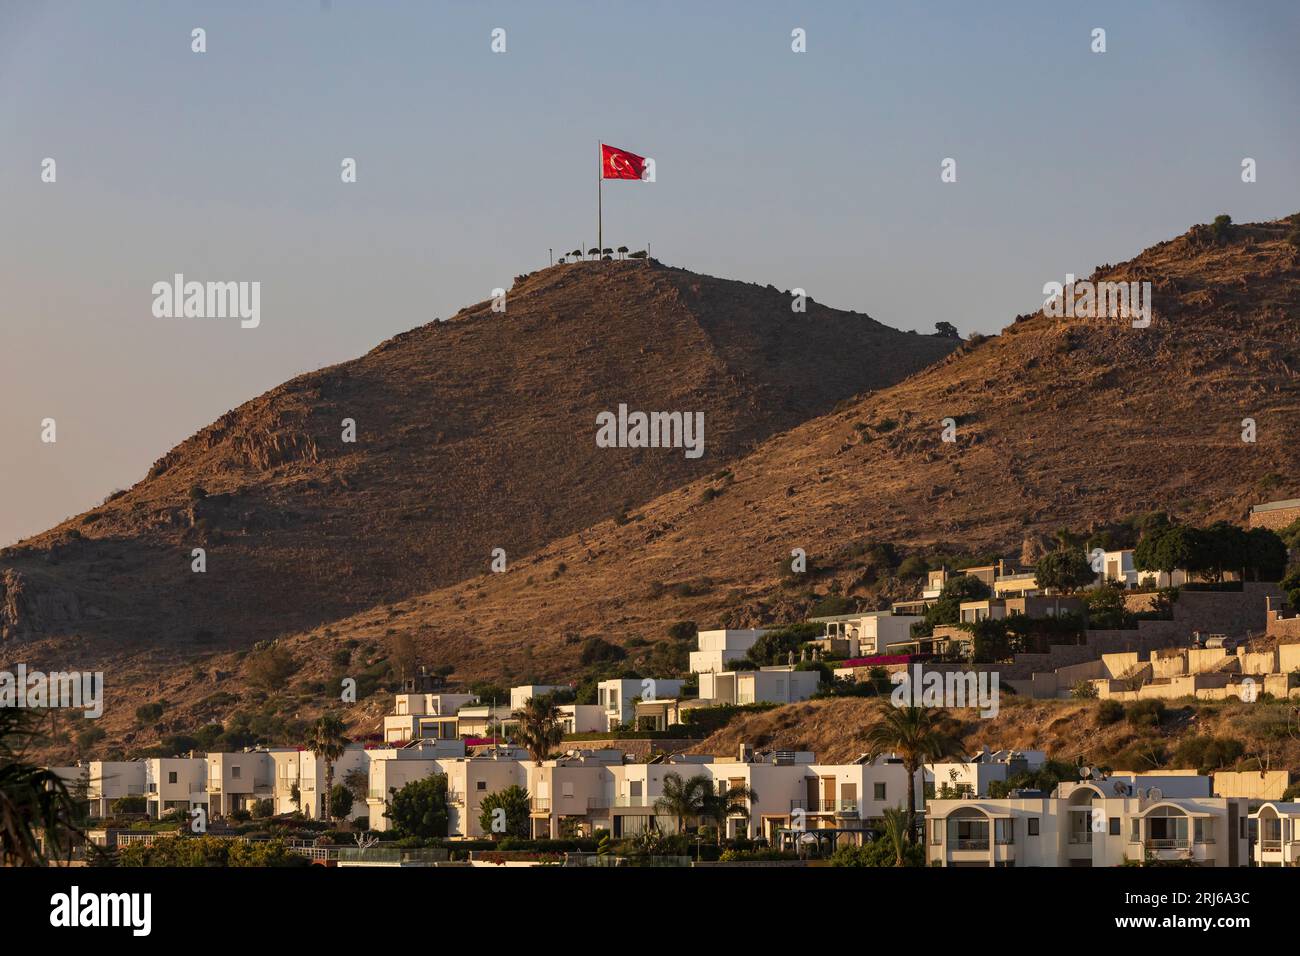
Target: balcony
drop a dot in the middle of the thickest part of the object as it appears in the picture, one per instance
(976, 843)
(1081, 838)
(1176, 844)
(847, 807)
(540, 804)
(634, 801)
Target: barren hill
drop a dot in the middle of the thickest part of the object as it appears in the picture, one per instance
(471, 434)
(1059, 423)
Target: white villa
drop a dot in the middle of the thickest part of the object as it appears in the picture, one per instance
(1127, 817)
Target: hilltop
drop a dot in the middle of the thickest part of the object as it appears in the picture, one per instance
(471, 434)
(1059, 422)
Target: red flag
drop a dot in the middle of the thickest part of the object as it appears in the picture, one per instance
(618, 163)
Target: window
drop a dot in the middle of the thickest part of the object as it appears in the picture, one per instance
(171, 776)
(1033, 826)
(566, 789)
(234, 773)
(937, 834)
(480, 784)
(1114, 826)
(878, 791)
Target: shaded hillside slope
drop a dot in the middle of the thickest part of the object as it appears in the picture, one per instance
(1062, 423)
(471, 434)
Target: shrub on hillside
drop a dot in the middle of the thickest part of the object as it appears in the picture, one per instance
(1145, 713)
(1109, 712)
(1207, 754)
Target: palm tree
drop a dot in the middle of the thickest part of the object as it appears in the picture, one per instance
(914, 734)
(896, 831)
(685, 799)
(575, 254)
(540, 727)
(37, 813)
(593, 251)
(622, 252)
(734, 799)
(606, 253)
(327, 743)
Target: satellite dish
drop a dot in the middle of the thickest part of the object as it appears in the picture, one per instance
(1085, 773)
(1120, 788)
(1155, 793)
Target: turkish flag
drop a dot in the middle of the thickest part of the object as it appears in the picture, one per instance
(618, 163)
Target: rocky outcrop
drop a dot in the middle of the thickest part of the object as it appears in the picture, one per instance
(28, 611)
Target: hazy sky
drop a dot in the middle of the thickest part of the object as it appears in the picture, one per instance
(818, 170)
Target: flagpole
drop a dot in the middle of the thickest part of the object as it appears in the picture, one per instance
(600, 220)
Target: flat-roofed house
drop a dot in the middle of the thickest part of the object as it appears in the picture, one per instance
(719, 648)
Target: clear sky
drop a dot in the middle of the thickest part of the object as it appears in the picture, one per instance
(817, 170)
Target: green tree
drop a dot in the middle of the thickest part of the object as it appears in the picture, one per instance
(733, 799)
(917, 736)
(946, 330)
(327, 742)
(419, 809)
(947, 609)
(1167, 549)
(32, 799)
(1106, 606)
(1265, 554)
(540, 728)
(341, 801)
(684, 799)
(1064, 570)
(1290, 583)
(514, 800)
(776, 645)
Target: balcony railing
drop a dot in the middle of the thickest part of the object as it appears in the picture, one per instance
(540, 804)
(1079, 838)
(825, 806)
(971, 844)
(634, 801)
(1268, 845)
(1175, 844)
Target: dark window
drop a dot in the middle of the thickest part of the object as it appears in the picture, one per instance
(1033, 826)
(1114, 826)
(879, 791)
(171, 776)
